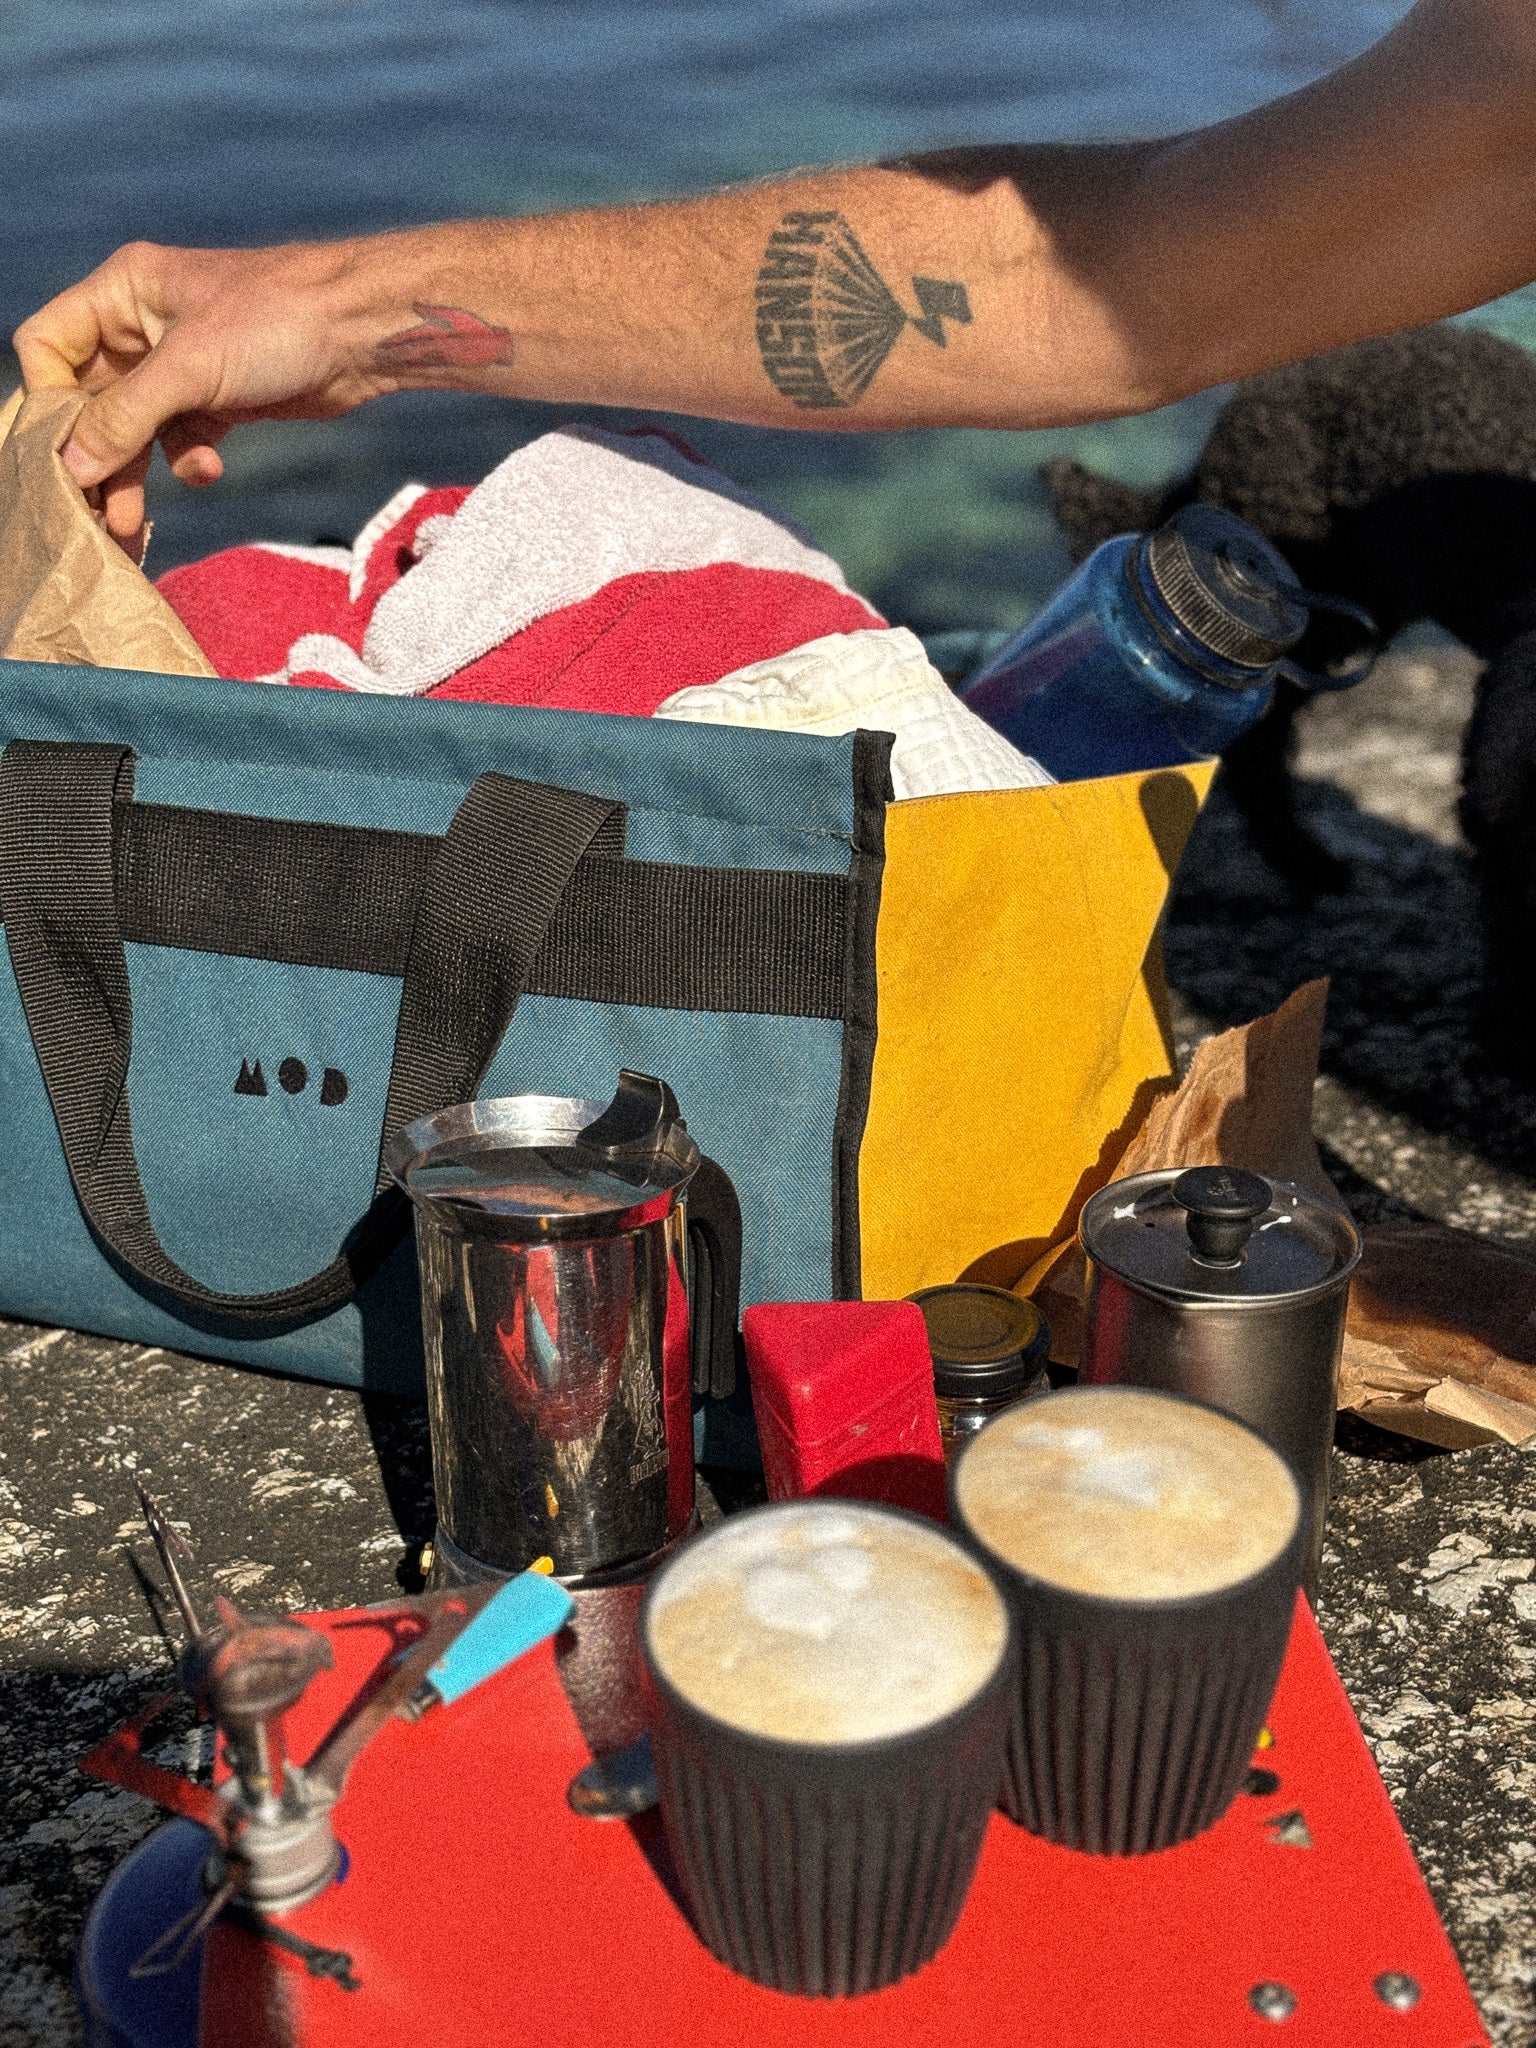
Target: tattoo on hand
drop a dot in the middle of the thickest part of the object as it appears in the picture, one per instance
(448, 339)
(827, 320)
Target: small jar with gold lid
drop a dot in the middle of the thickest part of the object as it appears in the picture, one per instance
(990, 1349)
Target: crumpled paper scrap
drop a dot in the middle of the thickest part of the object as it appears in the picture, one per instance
(68, 593)
(1440, 1342)
(1441, 1338)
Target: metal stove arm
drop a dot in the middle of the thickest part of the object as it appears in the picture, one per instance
(476, 1632)
(120, 1760)
(451, 1614)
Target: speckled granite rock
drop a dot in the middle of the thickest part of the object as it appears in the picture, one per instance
(1428, 1597)
(1428, 1602)
(304, 1494)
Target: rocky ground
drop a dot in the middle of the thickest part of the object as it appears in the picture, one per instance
(301, 1494)
(1428, 1598)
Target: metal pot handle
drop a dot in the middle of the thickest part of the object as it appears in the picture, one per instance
(714, 1278)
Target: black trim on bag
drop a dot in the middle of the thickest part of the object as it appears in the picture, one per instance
(872, 791)
(648, 933)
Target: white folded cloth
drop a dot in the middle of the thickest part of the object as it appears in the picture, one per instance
(880, 680)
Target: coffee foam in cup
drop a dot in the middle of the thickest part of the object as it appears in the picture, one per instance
(826, 1622)
(1127, 1495)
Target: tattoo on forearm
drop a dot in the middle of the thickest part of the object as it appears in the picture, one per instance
(448, 339)
(827, 320)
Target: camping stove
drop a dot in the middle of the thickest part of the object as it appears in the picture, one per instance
(252, 1850)
(476, 1901)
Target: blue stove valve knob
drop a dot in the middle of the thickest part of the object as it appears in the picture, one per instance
(525, 1611)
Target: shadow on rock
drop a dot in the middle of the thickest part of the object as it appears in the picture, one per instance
(402, 1444)
(1403, 948)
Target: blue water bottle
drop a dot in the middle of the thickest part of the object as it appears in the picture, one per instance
(1163, 648)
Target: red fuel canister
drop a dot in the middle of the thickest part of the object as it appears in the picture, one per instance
(843, 1393)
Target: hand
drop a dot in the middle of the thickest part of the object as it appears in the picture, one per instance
(182, 344)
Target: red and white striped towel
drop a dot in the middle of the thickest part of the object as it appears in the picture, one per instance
(594, 571)
(590, 571)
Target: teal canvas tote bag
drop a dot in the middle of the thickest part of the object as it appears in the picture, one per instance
(252, 931)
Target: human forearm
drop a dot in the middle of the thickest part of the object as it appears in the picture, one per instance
(1397, 190)
(998, 287)
(857, 298)
(873, 297)
(1097, 280)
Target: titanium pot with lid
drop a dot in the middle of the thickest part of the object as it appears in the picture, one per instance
(1232, 1288)
(579, 1273)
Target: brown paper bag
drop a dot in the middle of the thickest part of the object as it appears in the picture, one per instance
(67, 590)
(1246, 1101)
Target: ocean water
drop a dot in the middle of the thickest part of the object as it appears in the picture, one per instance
(250, 121)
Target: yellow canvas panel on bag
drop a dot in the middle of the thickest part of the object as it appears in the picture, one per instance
(1022, 1017)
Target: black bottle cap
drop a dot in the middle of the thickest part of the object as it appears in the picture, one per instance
(984, 1340)
(1221, 1205)
(1226, 585)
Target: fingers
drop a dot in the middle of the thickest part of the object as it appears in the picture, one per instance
(113, 312)
(43, 366)
(112, 335)
(119, 423)
(58, 340)
(180, 344)
(198, 466)
(191, 445)
(119, 501)
(122, 499)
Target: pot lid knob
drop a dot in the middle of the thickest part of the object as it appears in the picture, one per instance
(1222, 1203)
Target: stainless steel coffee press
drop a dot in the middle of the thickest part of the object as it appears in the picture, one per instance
(563, 1341)
(1232, 1288)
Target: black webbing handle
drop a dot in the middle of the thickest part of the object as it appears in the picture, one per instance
(494, 883)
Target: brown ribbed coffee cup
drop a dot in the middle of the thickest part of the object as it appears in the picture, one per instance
(817, 1859)
(1150, 1548)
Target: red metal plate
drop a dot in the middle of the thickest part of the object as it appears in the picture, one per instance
(480, 1909)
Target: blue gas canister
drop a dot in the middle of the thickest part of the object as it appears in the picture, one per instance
(1162, 648)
